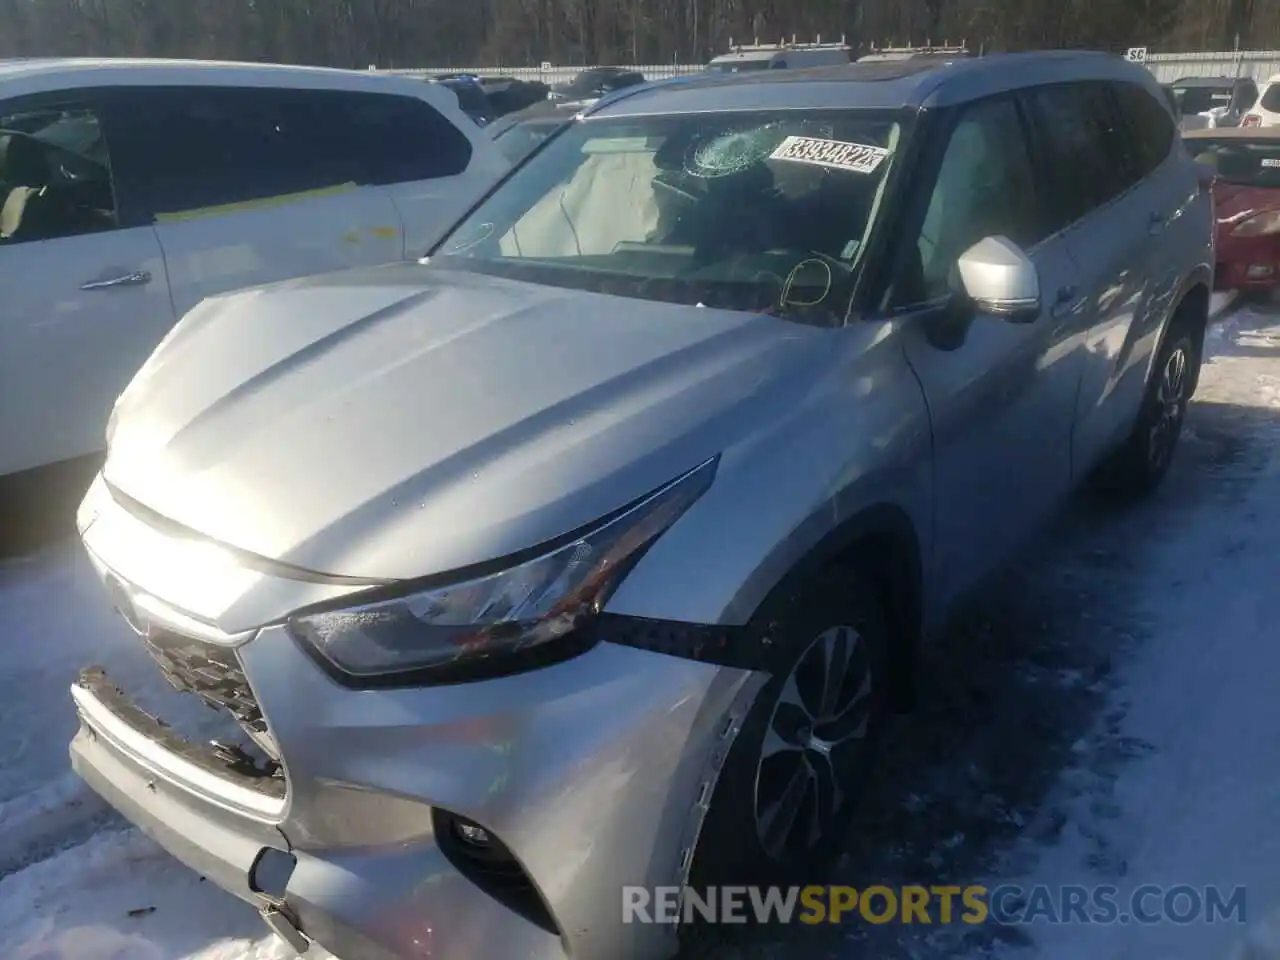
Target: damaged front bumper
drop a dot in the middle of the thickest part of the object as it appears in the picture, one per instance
(368, 905)
(586, 776)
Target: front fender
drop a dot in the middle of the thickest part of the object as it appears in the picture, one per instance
(859, 446)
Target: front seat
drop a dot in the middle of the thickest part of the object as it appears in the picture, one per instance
(24, 168)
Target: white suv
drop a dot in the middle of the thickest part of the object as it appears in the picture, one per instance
(131, 190)
(1266, 112)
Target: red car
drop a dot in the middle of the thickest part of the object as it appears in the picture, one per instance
(1246, 193)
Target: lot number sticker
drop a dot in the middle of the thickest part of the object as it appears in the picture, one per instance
(834, 154)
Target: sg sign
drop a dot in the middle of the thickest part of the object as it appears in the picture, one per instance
(1136, 55)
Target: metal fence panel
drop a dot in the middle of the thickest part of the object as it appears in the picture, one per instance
(1259, 64)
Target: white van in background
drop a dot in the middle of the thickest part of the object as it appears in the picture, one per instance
(1266, 112)
(779, 56)
(130, 190)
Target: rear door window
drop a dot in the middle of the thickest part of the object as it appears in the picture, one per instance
(1088, 155)
(182, 150)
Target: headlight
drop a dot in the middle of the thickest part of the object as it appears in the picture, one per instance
(499, 622)
(1259, 225)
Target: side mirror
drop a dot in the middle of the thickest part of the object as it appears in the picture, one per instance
(996, 276)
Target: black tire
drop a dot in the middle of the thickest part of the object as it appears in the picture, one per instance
(1138, 468)
(730, 848)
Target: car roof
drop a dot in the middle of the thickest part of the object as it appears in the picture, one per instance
(40, 74)
(886, 85)
(1233, 133)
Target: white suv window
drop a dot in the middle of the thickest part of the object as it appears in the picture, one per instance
(184, 149)
(55, 177)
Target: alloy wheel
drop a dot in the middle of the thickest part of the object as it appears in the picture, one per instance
(1171, 406)
(818, 724)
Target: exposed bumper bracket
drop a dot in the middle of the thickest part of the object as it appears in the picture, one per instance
(282, 924)
(197, 767)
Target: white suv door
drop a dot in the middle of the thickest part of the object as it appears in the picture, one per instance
(248, 185)
(83, 291)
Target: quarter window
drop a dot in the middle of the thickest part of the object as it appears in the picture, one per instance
(399, 139)
(985, 187)
(55, 176)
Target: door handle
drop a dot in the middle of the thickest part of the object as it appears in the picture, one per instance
(1065, 300)
(138, 279)
(1156, 222)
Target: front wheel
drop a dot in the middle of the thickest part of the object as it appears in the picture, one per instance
(807, 746)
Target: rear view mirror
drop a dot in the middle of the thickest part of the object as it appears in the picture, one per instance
(997, 277)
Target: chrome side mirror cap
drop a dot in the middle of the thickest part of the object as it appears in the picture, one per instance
(997, 277)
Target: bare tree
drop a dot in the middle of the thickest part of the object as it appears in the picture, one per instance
(405, 33)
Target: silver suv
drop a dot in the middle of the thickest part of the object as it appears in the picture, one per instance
(594, 550)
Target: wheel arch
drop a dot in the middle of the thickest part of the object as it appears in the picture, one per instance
(1191, 307)
(880, 543)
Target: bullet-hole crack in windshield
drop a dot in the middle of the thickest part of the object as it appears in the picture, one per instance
(763, 212)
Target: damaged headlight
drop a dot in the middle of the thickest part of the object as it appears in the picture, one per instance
(455, 631)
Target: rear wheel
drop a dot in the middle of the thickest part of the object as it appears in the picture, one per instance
(1139, 467)
(783, 800)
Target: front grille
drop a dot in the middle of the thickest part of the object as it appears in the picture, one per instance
(208, 671)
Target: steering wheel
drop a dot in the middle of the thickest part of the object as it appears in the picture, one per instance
(675, 191)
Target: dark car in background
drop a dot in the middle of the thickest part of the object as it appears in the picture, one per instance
(595, 82)
(508, 95)
(1227, 98)
(1246, 196)
(471, 97)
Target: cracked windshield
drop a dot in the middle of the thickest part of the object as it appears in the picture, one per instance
(745, 212)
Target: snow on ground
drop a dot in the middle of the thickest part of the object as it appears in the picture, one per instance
(1196, 706)
(1102, 713)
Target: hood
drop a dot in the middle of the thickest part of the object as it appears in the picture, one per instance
(1235, 200)
(403, 421)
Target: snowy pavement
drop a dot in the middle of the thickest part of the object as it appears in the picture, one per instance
(1104, 713)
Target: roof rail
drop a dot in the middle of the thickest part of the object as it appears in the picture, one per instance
(929, 48)
(784, 44)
